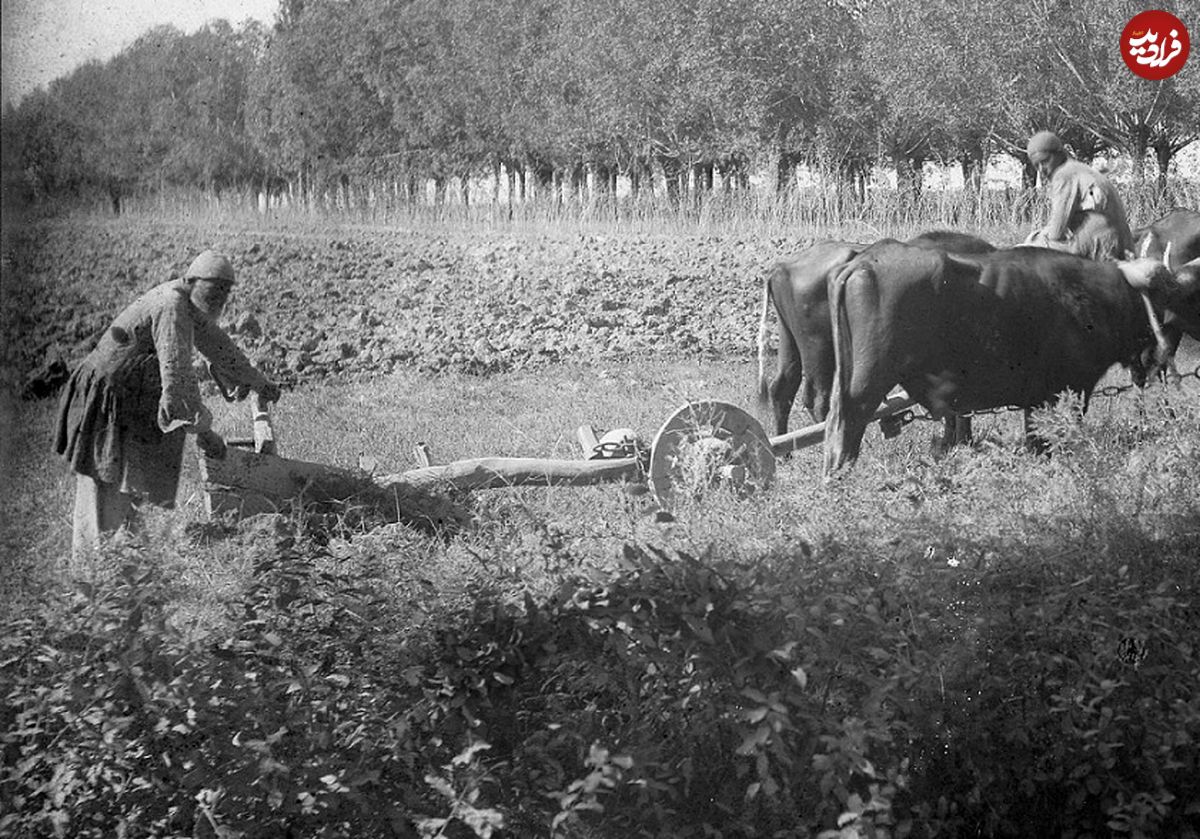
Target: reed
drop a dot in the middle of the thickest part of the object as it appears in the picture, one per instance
(1004, 214)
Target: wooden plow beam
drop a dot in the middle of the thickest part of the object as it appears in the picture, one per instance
(701, 444)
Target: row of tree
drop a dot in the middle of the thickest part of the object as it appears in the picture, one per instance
(682, 91)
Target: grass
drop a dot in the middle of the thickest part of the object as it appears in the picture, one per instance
(994, 491)
(1003, 216)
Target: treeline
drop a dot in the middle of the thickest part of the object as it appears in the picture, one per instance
(548, 94)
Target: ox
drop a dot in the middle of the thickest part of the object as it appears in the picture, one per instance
(798, 289)
(961, 334)
(1175, 238)
(1179, 229)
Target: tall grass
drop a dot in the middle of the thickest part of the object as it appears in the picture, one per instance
(1005, 215)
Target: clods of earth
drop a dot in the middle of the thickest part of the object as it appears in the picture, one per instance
(358, 302)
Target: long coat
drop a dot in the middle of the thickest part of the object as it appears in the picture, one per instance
(1086, 210)
(127, 406)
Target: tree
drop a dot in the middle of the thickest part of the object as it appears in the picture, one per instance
(315, 110)
(938, 70)
(1102, 97)
(206, 121)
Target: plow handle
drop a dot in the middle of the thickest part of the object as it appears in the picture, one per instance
(264, 434)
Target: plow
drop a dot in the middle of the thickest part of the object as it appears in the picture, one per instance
(701, 445)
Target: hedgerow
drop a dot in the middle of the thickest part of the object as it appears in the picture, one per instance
(838, 693)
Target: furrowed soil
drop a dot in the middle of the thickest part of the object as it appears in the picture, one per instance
(353, 302)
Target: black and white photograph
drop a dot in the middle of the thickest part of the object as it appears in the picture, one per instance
(598, 419)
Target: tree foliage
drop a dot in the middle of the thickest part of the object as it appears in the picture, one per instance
(338, 89)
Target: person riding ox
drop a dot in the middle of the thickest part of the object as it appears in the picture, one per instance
(127, 407)
(1087, 217)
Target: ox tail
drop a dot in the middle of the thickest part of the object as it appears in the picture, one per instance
(835, 422)
(763, 384)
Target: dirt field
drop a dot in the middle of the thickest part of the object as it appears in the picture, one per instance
(354, 302)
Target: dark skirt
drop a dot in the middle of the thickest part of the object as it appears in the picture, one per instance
(111, 434)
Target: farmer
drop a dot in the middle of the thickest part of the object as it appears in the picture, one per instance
(1086, 214)
(125, 411)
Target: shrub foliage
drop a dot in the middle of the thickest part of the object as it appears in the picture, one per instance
(834, 694)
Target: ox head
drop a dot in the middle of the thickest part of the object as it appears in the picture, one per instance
(1148, 275)
(1162, 289)
(1175, 290)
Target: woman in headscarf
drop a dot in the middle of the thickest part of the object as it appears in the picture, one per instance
(127, 407)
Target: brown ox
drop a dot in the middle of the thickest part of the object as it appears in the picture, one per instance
(798, 288)
(960, 334)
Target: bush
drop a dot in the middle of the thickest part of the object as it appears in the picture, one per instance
(996, 646)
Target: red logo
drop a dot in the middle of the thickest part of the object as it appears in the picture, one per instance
(1155, 44)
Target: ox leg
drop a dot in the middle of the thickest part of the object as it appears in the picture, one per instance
(1034, 442)
(1168, 374)
(956, 431)
(783, 395)
(845, 426)
(815, 397)
(786, 383)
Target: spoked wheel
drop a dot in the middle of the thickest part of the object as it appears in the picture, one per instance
(706, 444)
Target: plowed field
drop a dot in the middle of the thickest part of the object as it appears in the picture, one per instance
(354, 302)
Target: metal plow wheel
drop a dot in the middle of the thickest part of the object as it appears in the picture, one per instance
(706, 444)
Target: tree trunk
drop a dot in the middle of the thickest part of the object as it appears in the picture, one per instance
(672, 169)
(973, 162)
(647, 176)
(578, 182)
(602, 176)
(908, 176)
(1138, 145)
(785, 167)
(545, 180)
(702, 182)
(1163, 155)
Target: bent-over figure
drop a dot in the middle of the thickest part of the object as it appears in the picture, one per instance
(127, 407)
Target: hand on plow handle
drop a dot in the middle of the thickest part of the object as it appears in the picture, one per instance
(270, 392)
(212, 444)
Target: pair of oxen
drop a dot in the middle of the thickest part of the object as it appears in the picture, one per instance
(964, 327)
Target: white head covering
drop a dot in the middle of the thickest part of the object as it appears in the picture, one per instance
(210, 265)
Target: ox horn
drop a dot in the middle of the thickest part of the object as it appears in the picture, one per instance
(1167, 255)
(1145, 246)
(1164, 358)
